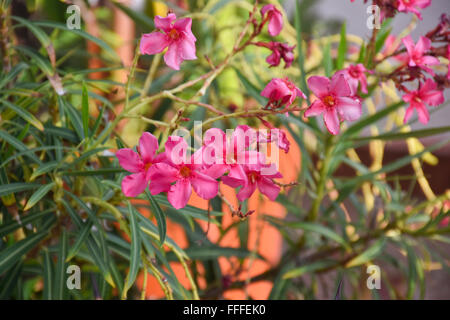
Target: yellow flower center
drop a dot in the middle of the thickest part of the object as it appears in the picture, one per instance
(173, 34)
(329, 101)
(185, 171)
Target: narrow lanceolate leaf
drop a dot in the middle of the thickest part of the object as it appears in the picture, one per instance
(17, 187)
(135, 254)
(60, 284)
(327, 61)
(24, 114)
(342, 49)
(80, 240)
(17, 144)
(44, 168)
(301, 55)
(15, 71)
(314, 227)
(85, 110)
(7, 228)
(10, 255)
(38, 32)
(371, 253)
(308, 268)
(10, 281)
(160, 217)
(38, 195)
(48, 275)
(405, 135)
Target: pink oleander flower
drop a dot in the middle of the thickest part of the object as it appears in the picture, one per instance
(335, 100)
(223, 154)
(413, 6)
(416, 53)
(275, 19)
(281, 92)
(139, 164)
(255, 178)
(177, 37)
(426, 94)
(448, 58)
(355, 74)
(280, 51)
(180, 175)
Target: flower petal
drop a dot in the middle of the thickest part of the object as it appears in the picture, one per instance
(153, 43)
(205, 186)
(246, 191)
(165, 24)
(268, 188)
(176, 150)
(331, 120)
(339, 86)
(129, 160)
(187, 49)
(316, 108)
(134, 184)
(319, 85)
(275, 23)
(148, 145)
(349, 108)
(161, 176)
(173, 57)
(180, 193)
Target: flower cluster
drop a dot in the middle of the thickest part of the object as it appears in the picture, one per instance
(235, 159)
(389, 8)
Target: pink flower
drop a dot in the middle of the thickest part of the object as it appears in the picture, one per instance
(355, 74)
(448, 58)
(138, 163)
(223, 154)
(275, 19)
(177, 36)
(255, 178)
(413, 6)
(416, 53)
(281, 92)
(184, 172)
(335, 99)
(426, 93)
(279, 51)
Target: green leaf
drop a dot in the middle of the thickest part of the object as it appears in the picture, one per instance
(55, 25)
(9, 77)
(214, 252)
(327, 61)
(80, 240)
(48, 275)
(38, 32)
(342, 49)
(17, 144)
(369, 254)
(312, 227)
(74, 117)
(251, 89)
(405, 135)
(10, 281)
(17, 187)
(10, 255)
(135, 253)
(13, 224)
(97, 172)
(41, 62)
(160, 217)
(24, 114)
(38, 195)
(308, 268)
(301, 54)
(368, 120)
(85, 110)
(44, 168)
(60, 284)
